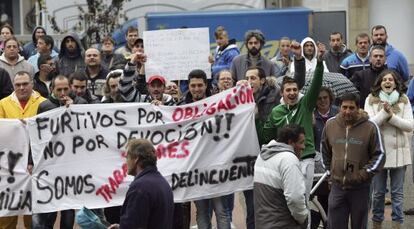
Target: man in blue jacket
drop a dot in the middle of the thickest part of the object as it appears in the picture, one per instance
(149, 201)
(395, 59)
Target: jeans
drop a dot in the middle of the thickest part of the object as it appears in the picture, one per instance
(47, 220)
(307, 167)
(397, 194)
(248, 196)
(203, 215)
(412, 155)
(348, 202)
(228, 202)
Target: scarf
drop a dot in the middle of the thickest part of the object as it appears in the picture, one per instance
(389, 98)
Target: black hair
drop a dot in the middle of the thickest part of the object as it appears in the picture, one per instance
(287, 80)
(254, 33)
(58, 77)
(43, 59)
(78, 75)
(261, 72)
(290, 132)
(48, 40)
(378, 27)
(350, 97)
(375, 47)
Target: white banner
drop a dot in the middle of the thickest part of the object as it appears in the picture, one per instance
(173, 53)
(204, 149)
(15, 186)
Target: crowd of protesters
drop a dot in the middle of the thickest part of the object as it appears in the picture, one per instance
(359, 139)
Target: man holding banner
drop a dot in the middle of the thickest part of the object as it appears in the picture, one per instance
(198, 90)
(59, 97)
(22, 103)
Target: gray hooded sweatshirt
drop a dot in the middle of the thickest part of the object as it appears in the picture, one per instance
(279, 188)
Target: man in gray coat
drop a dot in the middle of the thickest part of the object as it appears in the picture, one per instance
(279, 185)
(254, 41)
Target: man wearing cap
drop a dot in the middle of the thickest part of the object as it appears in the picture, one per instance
(156, 95)
(156, 88)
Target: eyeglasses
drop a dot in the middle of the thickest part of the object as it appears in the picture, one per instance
(113, 86)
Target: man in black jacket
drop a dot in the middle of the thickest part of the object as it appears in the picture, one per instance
(364, 79)
(6, 86)
(59, 97)
(79, 86)
(42, 78)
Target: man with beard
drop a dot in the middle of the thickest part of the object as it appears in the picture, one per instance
(363, 80)
(95, 72)
(11, 61)
(353, 153)
(44, 47)
(359, 60)
(254, 42)
(45, 74)
(70, 56)
(337, 53)
(395, 59)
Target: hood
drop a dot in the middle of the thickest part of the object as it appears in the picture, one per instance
(274, 148)
(3, 59)
(314, 44)
(388, 49)
(33, 33)
(63, 50)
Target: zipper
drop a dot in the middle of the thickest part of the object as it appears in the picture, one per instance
(346, 153)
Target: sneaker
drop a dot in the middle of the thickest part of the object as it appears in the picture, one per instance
(232, 226)
(409, 211)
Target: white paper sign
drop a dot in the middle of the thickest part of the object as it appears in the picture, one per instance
(205, 149)
(174, 53)
(15, 186)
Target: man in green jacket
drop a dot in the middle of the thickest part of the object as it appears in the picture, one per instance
(297, 108)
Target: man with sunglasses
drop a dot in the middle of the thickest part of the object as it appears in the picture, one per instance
(42, 78)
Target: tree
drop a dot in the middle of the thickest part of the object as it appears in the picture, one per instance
(98, 20)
